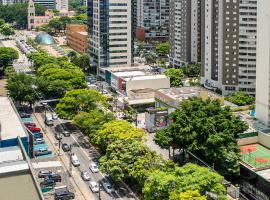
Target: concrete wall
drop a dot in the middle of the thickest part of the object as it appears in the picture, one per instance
(150, 83)
(264, 139)
(246, 141)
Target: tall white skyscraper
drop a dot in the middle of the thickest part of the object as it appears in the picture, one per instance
(263, 63)
(61, 5)
(111, 32)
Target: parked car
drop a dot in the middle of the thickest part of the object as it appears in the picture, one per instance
(94, 186)
(44, 172)
(47, 183)
(37, 135)
(85, 175)
(42, 151)
(66, 133)
(34, 129)
(66, 147)
(39, 140)
(54, 176)
(94, 167)
(63, 194)
(75, 161)
(24, 115)
(58, 136)
(30, 124)
(108, 187)
(48, 122)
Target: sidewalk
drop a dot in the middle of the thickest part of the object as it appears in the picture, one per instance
(82, 192)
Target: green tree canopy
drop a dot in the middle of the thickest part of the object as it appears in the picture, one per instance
(176, 76)
(81, 61)
(91, 122)
(117, 129)
(2, 22)
(192, 70)
(40, 59)
(207, 130)
(20, 87)
(188, 195)
(7, 56)
(240, 98)
(162, 185)
(162, 48)
(7, 30)
(76, 101)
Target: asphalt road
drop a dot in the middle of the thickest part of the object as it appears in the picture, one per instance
(86, 154)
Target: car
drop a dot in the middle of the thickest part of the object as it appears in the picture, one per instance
(94, 167)
(34, 129)
(94, 186)
(37, 135)
(85, 175)
(30, 124)
(54, 116)
(48, 122)
(58, 136)
(24, 115)
(47, 183)
(66, 133)
(44, 103)
(75, 161)
(39, 140)
(55, 177)
(43, 172)
(62, 193)
(66, 147)
(108, 187)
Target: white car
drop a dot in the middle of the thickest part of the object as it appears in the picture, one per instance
(54, 116)
(85, 175)
(94, 167)
(94, 186)
(108, 187)
(75, 161)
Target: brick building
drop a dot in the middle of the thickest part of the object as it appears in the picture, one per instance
(77, 37)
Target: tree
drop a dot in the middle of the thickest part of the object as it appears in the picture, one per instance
(20, 87)
(192, 70)
(65, 20)
(91, 122)
(176, 76)
(150, 58)
(207, 130)
(81, 61)
(7, 30)
(40, 59)
(120, 156)
(117, 129)
(7, 56)
(162, 48)
(2, 22)
(56, 25)
(169, 184)
(240, 98)
(76, 101)
(188, 195)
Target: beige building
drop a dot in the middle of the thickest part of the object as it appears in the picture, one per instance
(77, 37)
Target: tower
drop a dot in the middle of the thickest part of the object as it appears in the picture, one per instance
(31, 15)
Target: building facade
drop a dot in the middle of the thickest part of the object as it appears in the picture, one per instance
(77, 37)
(220, 24)
(153, 20)
(263, 63)
(185, 32)
(111, 32)
(247, 45)
(8, 2)
(49, 4)
(61, 5)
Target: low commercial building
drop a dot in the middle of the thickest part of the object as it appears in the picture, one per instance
(77, 37)
(11, 126)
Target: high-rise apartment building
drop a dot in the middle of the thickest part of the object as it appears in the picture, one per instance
(220, 27)
(153, 20)
(185, 32)
(49, 4)
(8, 2)
(263, 63)
(61, 5)
(111, 32)
(247, 45)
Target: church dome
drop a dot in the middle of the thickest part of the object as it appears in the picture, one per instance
(44, 38)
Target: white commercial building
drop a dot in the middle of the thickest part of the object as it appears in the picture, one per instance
(61, 5)
(263, 63)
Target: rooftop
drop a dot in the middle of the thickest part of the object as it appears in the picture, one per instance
(7, 115)
(83, 33)
(150, 77)
(181, 92)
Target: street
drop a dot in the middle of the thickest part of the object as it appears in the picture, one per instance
(86, 153)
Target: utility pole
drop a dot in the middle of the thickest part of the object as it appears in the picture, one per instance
(99, 185)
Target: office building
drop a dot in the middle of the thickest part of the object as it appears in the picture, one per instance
(111, 32)
(49, 4)
(8, 2)
(220, 38)
(185, 32)
(77, 37)
(153, 20)
(247, 45)
(263, 63)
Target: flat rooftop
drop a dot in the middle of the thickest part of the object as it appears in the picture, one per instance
(83, 33)
(129, 73)
(11, 126)
(150, 77)
(181, 92)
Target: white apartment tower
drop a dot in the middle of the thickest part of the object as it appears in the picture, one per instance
(61, 5)
(185, 32)
(263, 63)
(110, 33)
(247, 45)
